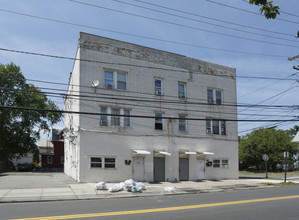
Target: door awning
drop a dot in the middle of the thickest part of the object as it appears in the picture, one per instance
(190, 152)
(296, 138)
(207, 153)
(141, 152)
(165, 153)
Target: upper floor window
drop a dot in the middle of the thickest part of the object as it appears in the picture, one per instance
(182, 123)
(115, 80)
(158, 121)
(115, 117)
(104, 118)
(214, 126)
(182, 90)
(109, 79)
(214, 96)
(158, 87)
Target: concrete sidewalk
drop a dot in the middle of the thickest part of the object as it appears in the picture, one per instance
(87, 190)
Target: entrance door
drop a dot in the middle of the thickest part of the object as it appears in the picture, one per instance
(138, 168)
(183, 169)
(200, 169)
(159, 169)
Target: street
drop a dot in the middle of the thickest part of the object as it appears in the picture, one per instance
(272, 203)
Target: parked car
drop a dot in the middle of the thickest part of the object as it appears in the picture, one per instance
(23, 167)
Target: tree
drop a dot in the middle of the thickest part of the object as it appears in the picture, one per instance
(269, 10)
(20, 128)
(265, 141)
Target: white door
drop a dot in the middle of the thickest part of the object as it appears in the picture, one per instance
(138, 168)
(200, 169)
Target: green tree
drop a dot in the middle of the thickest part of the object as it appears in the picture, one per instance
(20, 128)
(265, 141)
(268, 9)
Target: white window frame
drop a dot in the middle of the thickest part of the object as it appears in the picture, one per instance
(123, 117)
(182, 121)
(213, 98)
(115, 119)
(210, 126)
(103, 162)
(158, 90)
(162, 121)
(114, 82)
(221, 163)
(182, 94)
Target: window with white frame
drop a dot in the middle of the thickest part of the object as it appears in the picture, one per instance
(182, 90)
(215, 126)
(115, 116)
(115, 80)
(50, 159)
(158, 87)
(127, 122)
(104, 118)
(109, 79)
(214, 96)
(103, 162)
(220, 163)
(158, 121)
(182, 123)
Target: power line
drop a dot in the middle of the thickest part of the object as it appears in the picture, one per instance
(182, 25)
(214, 19)
(244, 10)
(132, 116)
(142, 36)
(200, 21)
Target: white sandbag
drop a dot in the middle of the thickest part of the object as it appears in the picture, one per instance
(140, 184)
(115, 188)
(169, 189)
(100, 186)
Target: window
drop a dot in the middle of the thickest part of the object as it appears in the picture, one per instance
(182, 90)
(121, 81)
(109, 79)
(104, 119)
(126, 118)
(50, 159)
(214, 126)
(214, 96)
(158, 87)
(96, 162)
(116, 80)
(103, 162)
(216, 163)
(220, 163)
(62, 160)
(109, 162)
(182, 123)
(115, 118)
(158, 121)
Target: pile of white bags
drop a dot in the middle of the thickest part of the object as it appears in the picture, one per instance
(100, 186)
(129, 185)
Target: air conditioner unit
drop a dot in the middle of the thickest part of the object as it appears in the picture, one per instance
(157, 92)
(108, 86)
(103, 123)
(182, 97)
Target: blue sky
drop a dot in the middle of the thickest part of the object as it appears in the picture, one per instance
(24, 27)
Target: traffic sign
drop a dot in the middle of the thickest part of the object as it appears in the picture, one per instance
(265, 157)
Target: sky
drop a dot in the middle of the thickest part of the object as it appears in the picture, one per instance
(231, 33)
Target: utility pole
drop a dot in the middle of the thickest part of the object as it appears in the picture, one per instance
(286, 155)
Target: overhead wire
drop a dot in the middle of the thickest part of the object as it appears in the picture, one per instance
(215, 19)
(183, 25)
(251, 12)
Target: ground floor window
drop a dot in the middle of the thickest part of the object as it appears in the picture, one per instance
(50, 159)
(220, 163)
(102, 162)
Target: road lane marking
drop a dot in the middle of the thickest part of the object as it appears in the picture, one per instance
(142, 211)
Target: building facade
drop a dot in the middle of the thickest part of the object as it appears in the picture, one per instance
(149, 115)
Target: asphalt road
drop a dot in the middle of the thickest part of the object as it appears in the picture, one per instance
(273, 203)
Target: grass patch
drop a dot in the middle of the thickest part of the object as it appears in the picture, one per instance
(255, 172)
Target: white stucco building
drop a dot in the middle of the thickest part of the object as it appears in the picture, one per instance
(164, 116)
